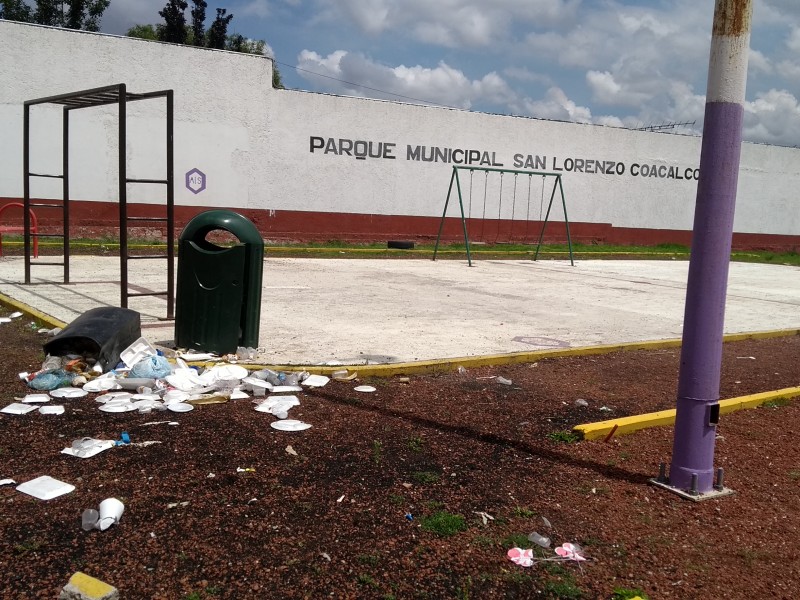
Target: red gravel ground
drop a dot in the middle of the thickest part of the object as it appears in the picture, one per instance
(331, 520)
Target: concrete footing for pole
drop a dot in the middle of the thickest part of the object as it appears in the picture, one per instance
(688, 495)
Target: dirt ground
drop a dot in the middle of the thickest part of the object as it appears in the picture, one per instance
(417, 490)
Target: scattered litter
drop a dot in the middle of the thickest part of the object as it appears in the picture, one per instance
(69, 392)
(604, 409)
(539, 540)
(17, 408)
(45, 488)
(408, 486)
(87, 447)
(180, 407)
(485, 517)
(210, 476)
(523, 558)
(158, 423)
(283, 389)
(205, 399)
(364, 388)
(340, 498)
(546, 522)
(238, 394)
(570, 552)
(15, 315)
(315, 380)
(343, 375)
(403, 380)
(177, 504)
(152, 367)
(197, 356)
(748, 357)
(124, 439)
(117, 407)
(326, 556)
(54, 409)
(289, 425)
(136, 352)
(252, 500)
(7, 482)
(245, 470)
(109, 514)
(290, 450)
(409, 517)
(30, 398)
(5, 320)
(581, 402)
(101, 384)
(504, 381)
(461, 370)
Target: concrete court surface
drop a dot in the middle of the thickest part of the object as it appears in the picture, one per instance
(346, 311)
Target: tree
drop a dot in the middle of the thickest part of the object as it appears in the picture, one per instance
(74, 14)
(15, 10)
(218, 32)
(145, 32)
(198, 22)
(174, 22)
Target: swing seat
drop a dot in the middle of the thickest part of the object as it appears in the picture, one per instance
(20, 228)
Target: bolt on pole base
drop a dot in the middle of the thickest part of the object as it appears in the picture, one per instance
(693, 496)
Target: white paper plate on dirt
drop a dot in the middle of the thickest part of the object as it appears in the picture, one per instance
(69, 392)
(114, 396)
(18, 408)
(52, 409)
(117, 407)
(364, 388)
(282, 389)
(222, 372)
(315, 380)
(5, 320)
(102, 384)
(45, 488)
(289, 425)
(31, 398)
(180, 407)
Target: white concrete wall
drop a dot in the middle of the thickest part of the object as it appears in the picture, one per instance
(254, 143)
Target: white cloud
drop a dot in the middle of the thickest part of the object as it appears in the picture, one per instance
(557, 106)
(774, 117)
(442, 85)
(607, 90)
(256, 8)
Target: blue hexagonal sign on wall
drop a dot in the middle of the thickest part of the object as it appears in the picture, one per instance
(195, 181)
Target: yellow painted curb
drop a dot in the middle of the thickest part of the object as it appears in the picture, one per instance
(31, 312)
(600, 429)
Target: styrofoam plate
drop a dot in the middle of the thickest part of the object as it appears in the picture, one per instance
(45, 487)
(17, 408)
(102, 384)
(180, 407)
(117, 407)
(281, 389)
(289, 425)
(364, 388)
(69, 392)
(52, 409)
(114, 396)
(316, 380)
(30, 398)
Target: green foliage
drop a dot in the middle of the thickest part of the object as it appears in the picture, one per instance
(565, 589)
(416, 444)
(72, 14)
(443, 523)
(521, 511)
(174, 29)
(198, 22)
(516, 540)
(425, 476)
(777, 403)
(564, 437)
(366, 580)
(377, 451)
(145, 32)
(628, 594)
(218, 32)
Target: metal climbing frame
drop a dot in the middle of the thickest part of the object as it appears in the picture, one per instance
(105, 96)
(454, 178)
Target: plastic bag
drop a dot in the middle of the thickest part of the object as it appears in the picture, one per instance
(152, 367)
(51, 380)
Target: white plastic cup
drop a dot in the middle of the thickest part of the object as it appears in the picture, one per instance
(89, 519)
(111, 511)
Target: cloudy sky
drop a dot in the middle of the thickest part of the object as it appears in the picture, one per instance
(630, 63)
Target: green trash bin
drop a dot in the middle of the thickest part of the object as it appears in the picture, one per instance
(218, 295)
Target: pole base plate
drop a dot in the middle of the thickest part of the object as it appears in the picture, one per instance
(687, 495)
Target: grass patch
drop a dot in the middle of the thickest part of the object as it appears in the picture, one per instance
(377, 451)
(563, 437)
(516, 540)
(628, 594)
(777, 403)
(443, 523)
(425, 476)
(366, 580)
(416, 444)
(521, 511)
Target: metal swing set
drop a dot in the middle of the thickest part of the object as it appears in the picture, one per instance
(467, 219)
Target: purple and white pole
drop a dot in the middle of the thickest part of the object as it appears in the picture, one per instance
(701, 353)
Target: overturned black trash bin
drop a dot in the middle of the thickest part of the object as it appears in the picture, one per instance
(100, 333)
(218, 296)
